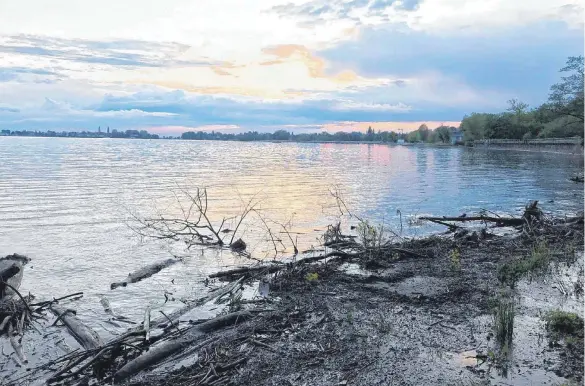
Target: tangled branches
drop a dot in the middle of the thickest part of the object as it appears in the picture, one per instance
(195, 225)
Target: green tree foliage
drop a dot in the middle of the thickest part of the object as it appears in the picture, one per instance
(561, 116)
(424, 134)
(281, 135)
(423, 131)
(443, 134)
(566, 97)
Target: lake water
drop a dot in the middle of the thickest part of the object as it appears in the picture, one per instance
(66, 202)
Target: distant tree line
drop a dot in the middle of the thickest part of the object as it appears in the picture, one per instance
(283, 135)
(561, 116)
(141, 134)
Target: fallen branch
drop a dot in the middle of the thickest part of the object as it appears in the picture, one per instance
(271, 268)
(85, 336)
(502, 221)
(16, 345)
(144, 273)
(162, 351)
(49, 302)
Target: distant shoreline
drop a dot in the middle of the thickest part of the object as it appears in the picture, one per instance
(240, 141)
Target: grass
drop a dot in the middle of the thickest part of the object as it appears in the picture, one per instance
(455, 258)
(537, 261)
(504, 322)
(370, 236)
(564, 323)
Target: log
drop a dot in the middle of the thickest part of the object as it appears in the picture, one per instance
(159, 353)
(144, 273)
(11, 271)
(5, 274)
(503, 221)
(84, 335)
(271, 268)
(8, 272)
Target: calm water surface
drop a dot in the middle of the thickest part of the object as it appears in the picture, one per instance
(66, 202)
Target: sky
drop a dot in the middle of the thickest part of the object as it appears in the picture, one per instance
(230, 65)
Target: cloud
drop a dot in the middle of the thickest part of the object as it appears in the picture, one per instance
(178, 108)
(357, 11)
(133, 53)
(316, 66)
(491, 63)
(277, 63)
(364, 106)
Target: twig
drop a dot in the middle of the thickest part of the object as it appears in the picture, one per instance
(171, 322)
(19, 295)
(262, 344)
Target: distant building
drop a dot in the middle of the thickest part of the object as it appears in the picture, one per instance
(400, 141)
(456, 135)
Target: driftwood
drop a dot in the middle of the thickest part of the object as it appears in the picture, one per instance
(271, 268)
(159, 353)
(144, 273)
(275, 267)
(11, 271)
(87, 337)
(8, 272)
(501, 221)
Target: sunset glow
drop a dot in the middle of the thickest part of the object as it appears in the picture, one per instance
(306, 65)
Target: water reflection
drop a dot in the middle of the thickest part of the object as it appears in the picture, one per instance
(64, 201)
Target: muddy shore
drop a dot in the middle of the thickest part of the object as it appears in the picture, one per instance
(380, 317)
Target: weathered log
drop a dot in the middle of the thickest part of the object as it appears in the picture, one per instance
(144, 273)
(11, 271)
(502, 221)
(159, 353)
(84, 335)
(271, 268)
(8, 272)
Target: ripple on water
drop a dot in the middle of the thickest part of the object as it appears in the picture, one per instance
(64, 201)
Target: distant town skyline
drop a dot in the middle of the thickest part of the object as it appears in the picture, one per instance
(307, 65)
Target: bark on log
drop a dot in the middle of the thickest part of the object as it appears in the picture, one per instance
(144, 273)
(84, 335)
(159, 353)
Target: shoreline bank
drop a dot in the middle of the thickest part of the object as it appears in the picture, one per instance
(365, 315)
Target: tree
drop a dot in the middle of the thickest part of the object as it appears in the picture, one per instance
(423, 132)
(473, 126)
(281, 135)
(517, 107)
(370, 134)
(566, 97)
(443, 133)
(413, 136)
